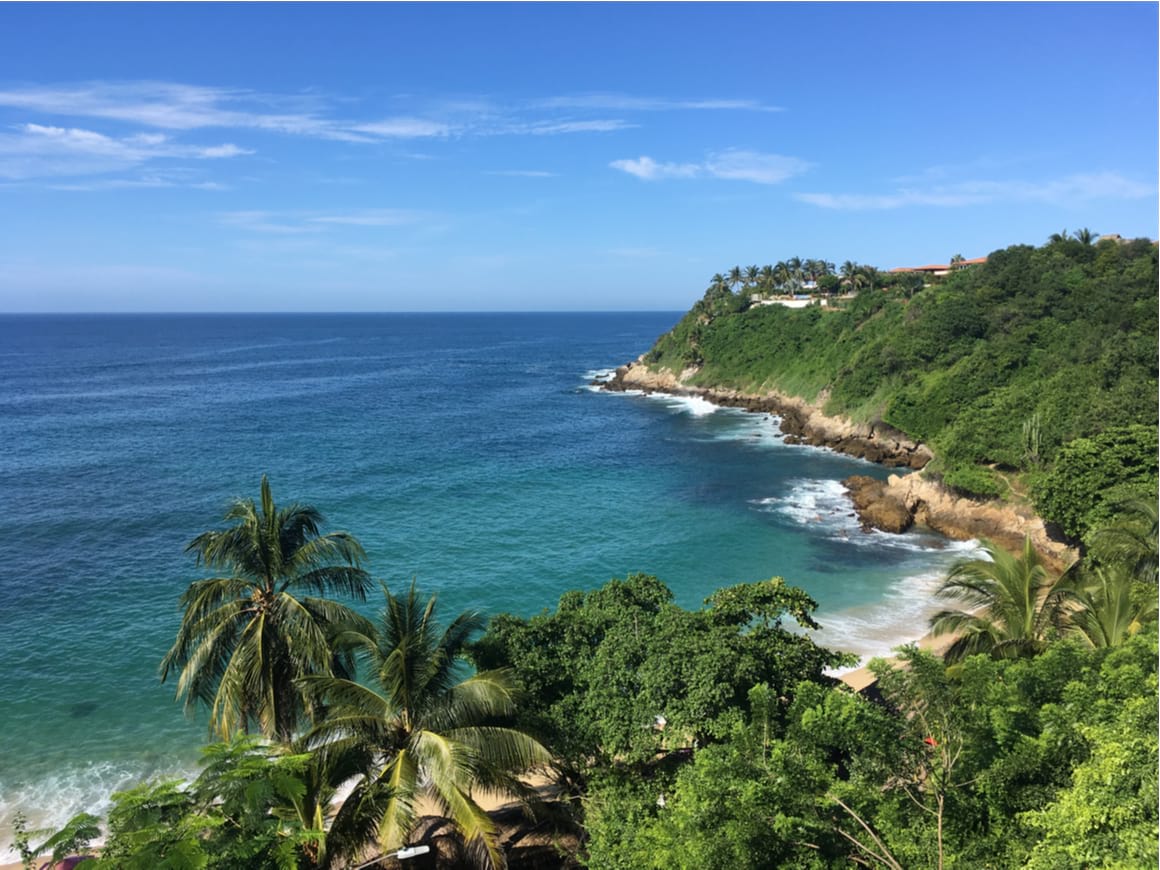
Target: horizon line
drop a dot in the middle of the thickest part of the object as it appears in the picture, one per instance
(495, 311)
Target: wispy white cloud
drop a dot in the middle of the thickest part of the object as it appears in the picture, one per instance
(143, 183)
(552, 128)
(404, 128)
(629, 103)
(38, 150)
(739, 165)
(651, 170)
(182, 107)
(378, 217)
(266, 222)
(731, 165)
(293, 223)
(1079, 187)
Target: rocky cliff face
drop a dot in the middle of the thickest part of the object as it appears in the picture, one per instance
(803, 423)
(933, 506)
(892, 505)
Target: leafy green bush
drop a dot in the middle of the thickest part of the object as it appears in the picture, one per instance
(1092, 475)
(973, 482)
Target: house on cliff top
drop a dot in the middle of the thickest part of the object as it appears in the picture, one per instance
(940, 270)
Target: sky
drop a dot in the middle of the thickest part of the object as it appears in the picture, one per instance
(447, 157)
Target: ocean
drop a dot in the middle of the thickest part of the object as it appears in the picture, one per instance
(467, 451)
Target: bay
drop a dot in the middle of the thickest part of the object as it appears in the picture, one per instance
(466, 451)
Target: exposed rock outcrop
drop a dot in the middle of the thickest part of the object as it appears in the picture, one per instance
(802, 422)
(876, 506)
(892, 505)
(933, 506)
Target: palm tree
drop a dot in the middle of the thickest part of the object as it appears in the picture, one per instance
(766, 279)
(1084, 236)
(751, 275)
(247, 635)
(1056, 238)
(736, 276)
(849, 270)
(1012, 605)
(1108, 609)
(1133, 541)
(718, 285)
(781, 274)
(419, 730)
(794, 266)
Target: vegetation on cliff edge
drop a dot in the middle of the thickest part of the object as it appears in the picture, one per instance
(1005, 367)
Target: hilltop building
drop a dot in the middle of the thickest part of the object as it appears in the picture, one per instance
(939, 270)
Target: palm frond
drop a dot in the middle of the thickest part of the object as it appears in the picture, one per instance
(400, 778)
(1011, 604)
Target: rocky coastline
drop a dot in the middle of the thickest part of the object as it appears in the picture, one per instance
(893, 505)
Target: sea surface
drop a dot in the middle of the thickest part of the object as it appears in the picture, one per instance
(467, 451)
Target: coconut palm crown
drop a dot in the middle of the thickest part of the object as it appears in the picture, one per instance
(1108, 605)
(420, 733)
(249, 634)
(1011, 605)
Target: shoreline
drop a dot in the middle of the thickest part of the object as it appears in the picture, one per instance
(928, 503)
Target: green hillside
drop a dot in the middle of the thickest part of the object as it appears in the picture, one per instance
(1002, 368)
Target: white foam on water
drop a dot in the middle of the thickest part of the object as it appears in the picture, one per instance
(694, 405)
(825, 507)
(747, 427)
(902, 616)
(602, 375)
(595, 379)
(50, 802)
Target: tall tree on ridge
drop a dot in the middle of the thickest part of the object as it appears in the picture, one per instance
(718, 284)
(248, 634)
(849, 270)
(766, 279)
(782, 274)
(736, 276)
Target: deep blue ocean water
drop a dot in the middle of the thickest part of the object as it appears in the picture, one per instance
(464, 450)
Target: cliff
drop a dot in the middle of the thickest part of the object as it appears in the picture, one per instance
(802, 422)
(892, 505)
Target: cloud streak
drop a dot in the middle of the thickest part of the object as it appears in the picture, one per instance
(38, 150)
(296, 223)
(1079, 187)
(730, 165)
(182, 107)
(628, 103)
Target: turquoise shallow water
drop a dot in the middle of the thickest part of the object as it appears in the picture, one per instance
(464, 450)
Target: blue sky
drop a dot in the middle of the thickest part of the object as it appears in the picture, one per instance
(548, 157)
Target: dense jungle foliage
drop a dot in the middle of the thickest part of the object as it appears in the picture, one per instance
(664, 737)
(1023, 363)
